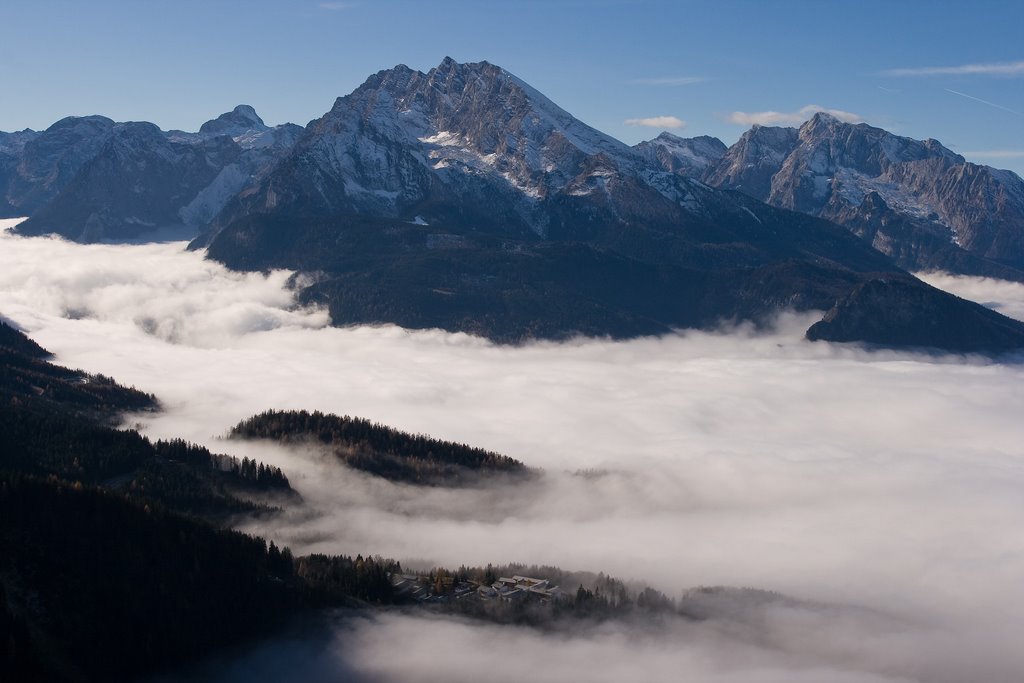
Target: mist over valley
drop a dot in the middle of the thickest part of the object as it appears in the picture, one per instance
(873, 491)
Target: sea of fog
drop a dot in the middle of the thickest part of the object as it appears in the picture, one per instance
(883, 492)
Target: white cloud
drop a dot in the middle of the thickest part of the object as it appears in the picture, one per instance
(1000, 295)
(991, 69)
(772, 643)
(880, 481)
(657, 122)
(775, 118)
(670, 80)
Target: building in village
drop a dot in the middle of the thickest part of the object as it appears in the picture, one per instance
(520, 588)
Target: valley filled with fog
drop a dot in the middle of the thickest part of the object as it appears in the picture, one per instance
(879, 492)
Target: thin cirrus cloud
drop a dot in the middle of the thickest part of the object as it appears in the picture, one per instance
(657, 122)
(978, 99)
(990, 69)
(772, 118)
(996, 154)
(670, 80)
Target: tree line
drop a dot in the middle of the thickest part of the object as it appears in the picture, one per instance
(379, 449)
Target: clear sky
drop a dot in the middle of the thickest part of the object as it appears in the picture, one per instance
(953, 71)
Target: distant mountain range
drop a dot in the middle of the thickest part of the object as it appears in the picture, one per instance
(915, 201)
(91, 179)
(462, 198)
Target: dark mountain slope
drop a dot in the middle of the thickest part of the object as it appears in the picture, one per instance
(137, 183)
(102, 578)
(914, 317)
(58, 422)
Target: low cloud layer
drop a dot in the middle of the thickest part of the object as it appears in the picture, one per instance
(795, 118)
(1000, 295)
(884, 485)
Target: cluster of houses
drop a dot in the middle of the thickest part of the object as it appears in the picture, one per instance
(516, 588)
(505, 589)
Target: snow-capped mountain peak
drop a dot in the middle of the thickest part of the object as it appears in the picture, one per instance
(684, 156)
(241, 119)
(404, 138)
(916, 200)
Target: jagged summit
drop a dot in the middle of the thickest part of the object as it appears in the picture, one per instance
(933, 209)
(751, 163)
(685, 156)
(457, 96)
(463, 198)
(864, 146)
(241, 119)
(406, 143)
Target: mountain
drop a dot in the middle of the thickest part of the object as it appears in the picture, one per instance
(90, 179)
(685, 156)
(915, 201)
(235, 123)
(12, 146)
(137, 182)
(464, 199)
(34, 167)
(461, 143)
(894, 313)
(751, 163)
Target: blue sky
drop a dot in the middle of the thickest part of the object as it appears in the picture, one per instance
(717, 66)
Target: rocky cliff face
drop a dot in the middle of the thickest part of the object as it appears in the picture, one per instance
(684, 156)
(914, 200)
(470, 142)
(462, 198)
(240, 121)
(750, 165)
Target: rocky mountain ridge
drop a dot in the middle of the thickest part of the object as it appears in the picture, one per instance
(92, 179)
(914, 200)
(463, 198)
(407, 143)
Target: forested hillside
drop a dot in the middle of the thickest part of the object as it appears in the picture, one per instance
(110, 567)
(379, 449)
